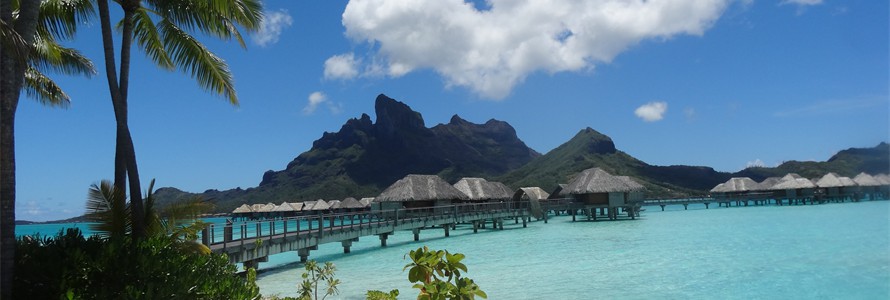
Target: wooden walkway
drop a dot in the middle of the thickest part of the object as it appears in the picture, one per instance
(252, 242)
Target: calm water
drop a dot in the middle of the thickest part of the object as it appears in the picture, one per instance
(802, 252)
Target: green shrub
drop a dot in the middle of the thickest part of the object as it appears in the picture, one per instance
(69, 266)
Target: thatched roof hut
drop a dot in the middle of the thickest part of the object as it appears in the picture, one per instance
(863, 179)
(530, 193)
(257, 207)
(794, 184)
(847, 181)
(366, 202)
(736, 184)
(243, 209)
(284, 207)
(351, 203)
(269, 207)
(320, 205)
(832, 180)
(768, 183)
(333, 204)
(479, 189)
(420, 188)
(307, 205)
(595, 180)
(298, 206)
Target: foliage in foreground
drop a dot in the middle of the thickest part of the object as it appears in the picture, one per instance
(316, 274)
(437, 273)
(70, 266)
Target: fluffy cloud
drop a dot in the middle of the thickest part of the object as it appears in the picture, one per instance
(492, 50)
(652, 111)
(273, 24)
(315, 99)
(319, 98)
(343, 66)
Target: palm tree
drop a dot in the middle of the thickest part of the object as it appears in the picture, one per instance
(162, 29)
(29, 30)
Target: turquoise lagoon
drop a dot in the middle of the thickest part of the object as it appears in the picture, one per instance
(790, 252)
(826, 251)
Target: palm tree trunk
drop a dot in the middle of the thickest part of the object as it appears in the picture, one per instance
(11, 80)
(136, 209)
(125, 154)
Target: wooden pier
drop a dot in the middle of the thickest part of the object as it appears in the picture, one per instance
(758, 199)
(253, 242)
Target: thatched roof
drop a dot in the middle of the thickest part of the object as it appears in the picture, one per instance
(768, 183)
(479, 189)
(736, 184)
(257, 207)
(791, 176)
(559, 191)
(595, 180)
(298, 206)
(284, 207)
(333, 204)
(884, 179)
(793, 184)
(366, 201)
(320, 205)
(833, 180)
(506, 190)
(351, 203)
(864, 179)
(420, 188)
(307, 205)
(530, 193)
(269, 207)
(632, 184)
(243, 209)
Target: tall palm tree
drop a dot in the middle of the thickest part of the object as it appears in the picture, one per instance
(29, 30)
(163, 29)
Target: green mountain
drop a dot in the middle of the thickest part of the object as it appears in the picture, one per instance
(590, 148)
(363, 158)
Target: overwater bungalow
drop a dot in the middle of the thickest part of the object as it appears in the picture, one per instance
(795, 189)
(869, 187)
(597, 189)
(481, 190)
(835, 188)
(334, 205)
(284, 210)
(418, 191)
(351, 204)
(242, 212)
(320, 206)
(735, 188)
(767, 184)
(366, 202)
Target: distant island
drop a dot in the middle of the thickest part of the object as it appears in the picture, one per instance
(363, 158)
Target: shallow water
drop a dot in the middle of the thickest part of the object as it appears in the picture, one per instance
(822, 251)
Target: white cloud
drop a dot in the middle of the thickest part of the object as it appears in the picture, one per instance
(343, 66)
(652, 111)
(757, 163)
(802, 2)
(493, 50)
(273, 24)
(315, 99)
(318, 98)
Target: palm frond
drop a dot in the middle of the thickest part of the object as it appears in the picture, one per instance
(47, 54)
(210, 71)
(219, 18)
(153, 222)
(103, 208)
(146, 34)
(43, 89)
(61, 17)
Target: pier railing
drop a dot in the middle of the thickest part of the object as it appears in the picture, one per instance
(320, 224)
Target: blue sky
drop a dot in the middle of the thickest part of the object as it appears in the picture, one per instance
(712, 82)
